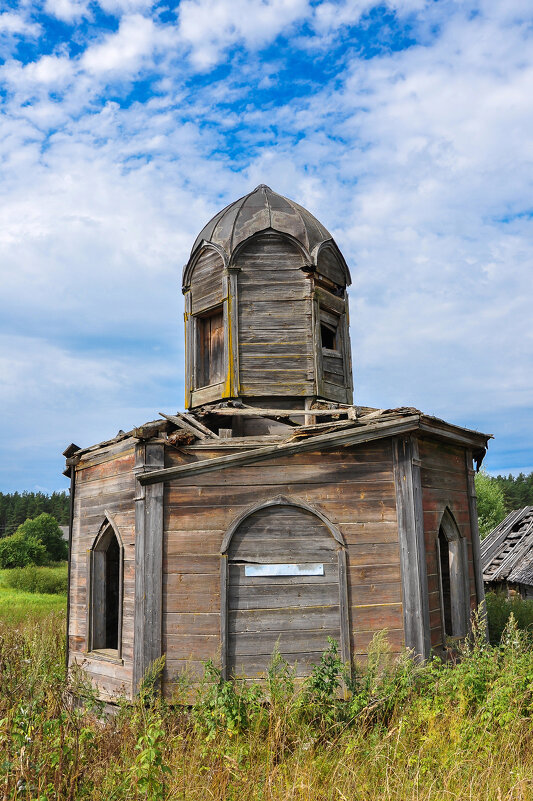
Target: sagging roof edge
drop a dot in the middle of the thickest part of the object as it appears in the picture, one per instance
(425, 423)
(359, 435)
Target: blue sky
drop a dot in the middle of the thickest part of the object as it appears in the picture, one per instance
(404, 126)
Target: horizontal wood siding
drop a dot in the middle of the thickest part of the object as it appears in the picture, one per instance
(260, 613)
(206, 282)
(353, 487)
(275, 320)
(104, 481)
(444, 484)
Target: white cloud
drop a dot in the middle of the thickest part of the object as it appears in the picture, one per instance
(124, 51)
(210, 27)
(419, 162)
(119, 7)
(67, 10)
(17, 24)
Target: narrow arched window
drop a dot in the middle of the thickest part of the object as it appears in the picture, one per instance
(453, 578)
(105, 586)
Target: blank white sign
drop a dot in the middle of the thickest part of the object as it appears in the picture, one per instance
(312, 569)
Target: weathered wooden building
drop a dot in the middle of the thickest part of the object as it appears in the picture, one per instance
(274, 511)
(507, 554)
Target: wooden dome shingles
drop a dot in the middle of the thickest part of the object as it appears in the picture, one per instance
(262, 210)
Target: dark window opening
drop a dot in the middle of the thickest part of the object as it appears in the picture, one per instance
(444, 552)
(106, 591)
(210, 348)
(328, 335)
(112, 573)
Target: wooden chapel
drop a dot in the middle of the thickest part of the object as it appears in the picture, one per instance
(273, 512)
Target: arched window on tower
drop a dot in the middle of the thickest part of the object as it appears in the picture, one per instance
(105, 588)
(452, 562)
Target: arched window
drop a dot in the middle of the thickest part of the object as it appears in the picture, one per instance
(452, 561)
(105, 588)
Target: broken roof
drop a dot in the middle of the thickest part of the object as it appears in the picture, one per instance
(507, 552)
(344, 426)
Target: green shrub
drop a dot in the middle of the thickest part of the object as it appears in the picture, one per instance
(499, 610)
(46, 580)
(20, 550)
(490, 503)
(45, 528)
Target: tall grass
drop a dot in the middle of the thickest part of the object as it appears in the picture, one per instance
(437, 731)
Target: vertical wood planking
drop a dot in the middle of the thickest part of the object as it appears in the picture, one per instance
(344, 610)
(474, 531)
(148, 562)
(412, 547)
(232, 314)
(189, 350)
(224, 614)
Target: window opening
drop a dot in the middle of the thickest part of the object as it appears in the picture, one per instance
(453, 576)
(112, 575)
(210, 348)
(328, 335)
(106, 591)
(444, 553)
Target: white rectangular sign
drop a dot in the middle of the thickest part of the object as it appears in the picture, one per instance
(284, 570)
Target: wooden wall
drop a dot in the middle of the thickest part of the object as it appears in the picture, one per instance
(353, 487)
(444, 484)
(104, 481)
(275, 320)
(206, 282)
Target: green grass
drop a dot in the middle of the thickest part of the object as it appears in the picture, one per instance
(17, 607)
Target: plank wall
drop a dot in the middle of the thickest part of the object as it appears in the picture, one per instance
(275, 320)
(104, 481)
(444, 484)
(353, 487)
(206, 282)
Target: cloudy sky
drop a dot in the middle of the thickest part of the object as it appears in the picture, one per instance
(405, 126)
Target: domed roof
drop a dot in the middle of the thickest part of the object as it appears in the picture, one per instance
(258, 211)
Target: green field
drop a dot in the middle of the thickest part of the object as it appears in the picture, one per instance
(18, 607)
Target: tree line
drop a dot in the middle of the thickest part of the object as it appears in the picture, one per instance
(17, 507)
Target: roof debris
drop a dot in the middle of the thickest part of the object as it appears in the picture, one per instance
(507, 552)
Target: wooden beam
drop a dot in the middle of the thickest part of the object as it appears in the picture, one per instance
(474, 532)
(356, 436)
(412, 546)
(456, 434)
(251, 412)
(190, 425)
(147, 638)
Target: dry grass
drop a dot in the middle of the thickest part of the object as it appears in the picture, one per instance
(430, 733)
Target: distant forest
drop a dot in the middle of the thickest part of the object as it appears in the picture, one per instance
(518, 490)
(16, 507)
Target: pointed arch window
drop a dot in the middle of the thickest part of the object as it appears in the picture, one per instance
(452, 563)
(105, 580)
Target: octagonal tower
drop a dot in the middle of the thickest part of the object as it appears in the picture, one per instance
(266, 308)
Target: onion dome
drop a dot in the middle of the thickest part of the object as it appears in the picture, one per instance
(262, 210)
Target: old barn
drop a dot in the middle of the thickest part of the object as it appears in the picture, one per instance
(274, 512)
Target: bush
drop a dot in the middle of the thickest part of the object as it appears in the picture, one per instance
(46, 580)
(20, 550)
(46, 529)
(499, 610)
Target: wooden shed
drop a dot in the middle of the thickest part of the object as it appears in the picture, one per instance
(507, 554)
(274, 512)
